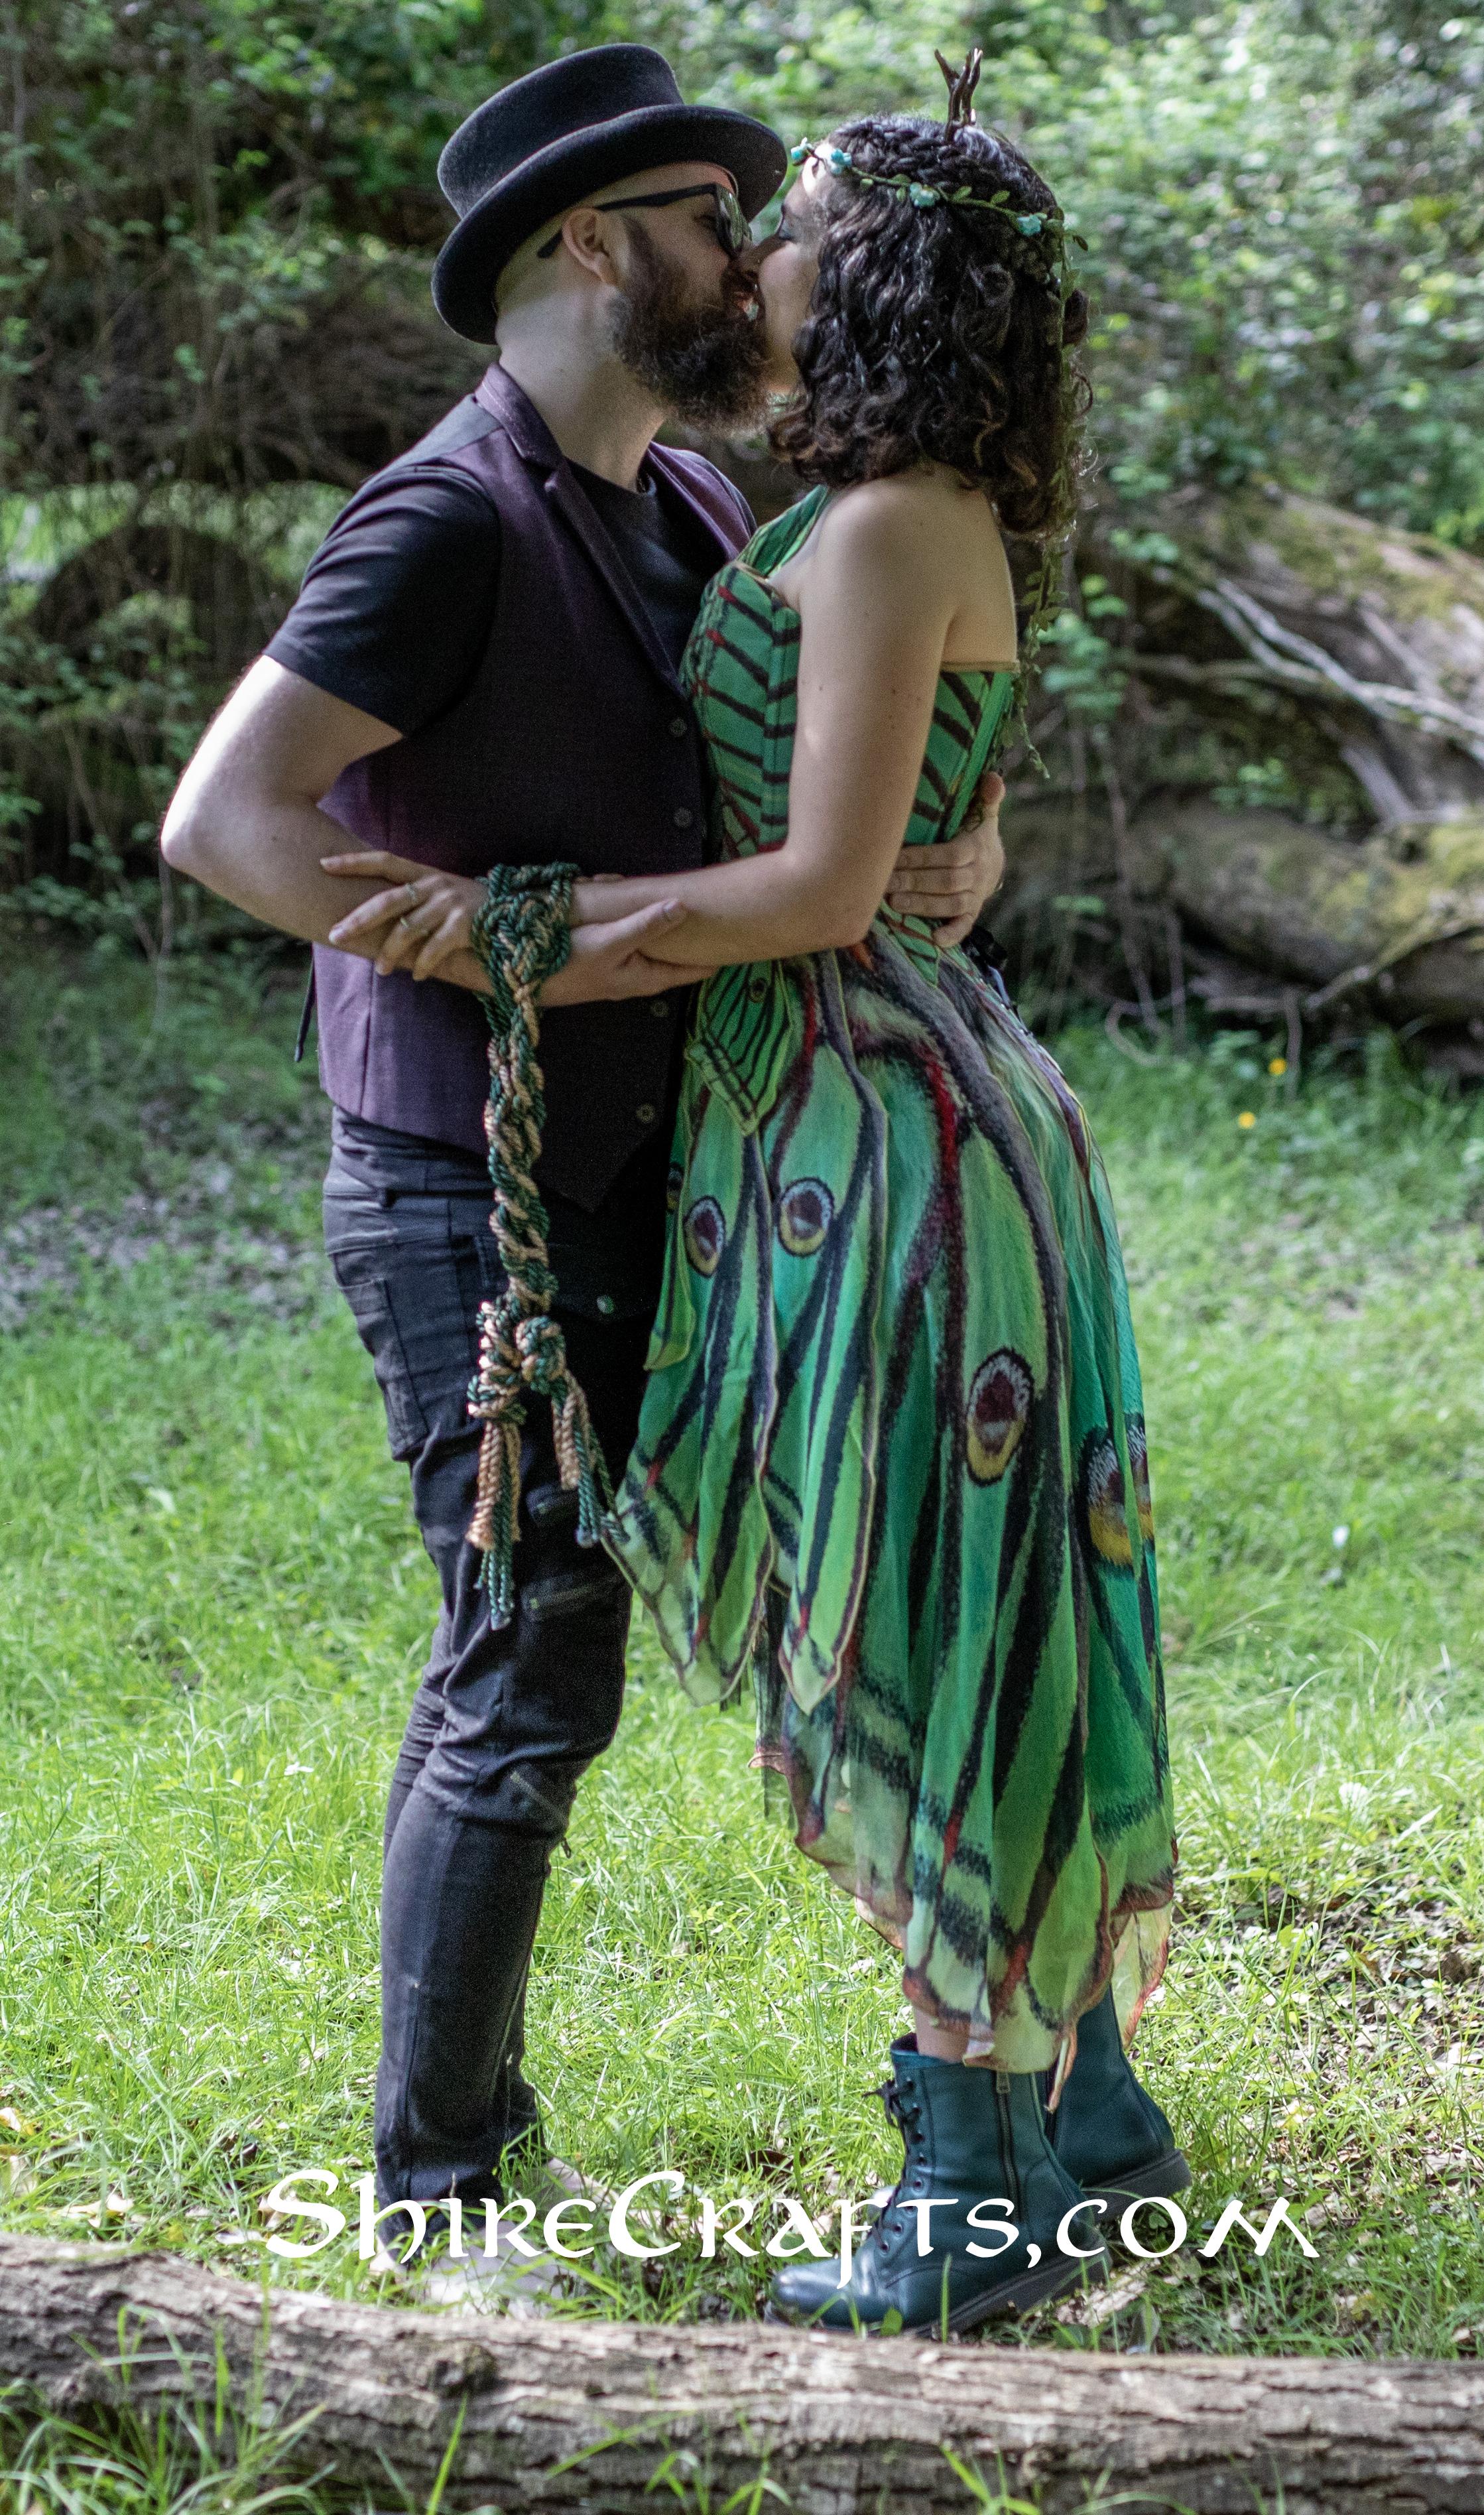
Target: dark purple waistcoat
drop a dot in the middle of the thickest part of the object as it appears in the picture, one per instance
(574, 742)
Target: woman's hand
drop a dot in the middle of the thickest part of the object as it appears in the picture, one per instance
(417, 923)
(951, 883)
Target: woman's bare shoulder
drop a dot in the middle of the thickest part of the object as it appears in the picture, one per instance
(921, 549)
(925, 517)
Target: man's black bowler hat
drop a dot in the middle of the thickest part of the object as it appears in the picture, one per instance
(566, 130)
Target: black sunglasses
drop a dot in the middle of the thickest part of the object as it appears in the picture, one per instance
(733, 232)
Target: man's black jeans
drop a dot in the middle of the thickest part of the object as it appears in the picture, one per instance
(502, 1725)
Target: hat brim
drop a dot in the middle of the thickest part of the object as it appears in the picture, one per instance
(580, 162)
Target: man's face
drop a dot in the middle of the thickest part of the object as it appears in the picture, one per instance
(685, 321)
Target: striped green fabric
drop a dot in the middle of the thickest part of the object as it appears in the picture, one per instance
(891, 1457)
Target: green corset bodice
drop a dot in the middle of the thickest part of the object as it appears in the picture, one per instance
(741, 668)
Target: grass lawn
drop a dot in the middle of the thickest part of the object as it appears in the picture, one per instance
(213, 1608)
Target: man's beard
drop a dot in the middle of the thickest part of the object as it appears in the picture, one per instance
(706, 363)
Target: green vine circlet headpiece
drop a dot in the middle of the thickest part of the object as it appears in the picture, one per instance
(924, 197)
(1043, 232)
(1044, 241)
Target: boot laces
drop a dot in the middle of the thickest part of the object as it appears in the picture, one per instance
(905, 2113)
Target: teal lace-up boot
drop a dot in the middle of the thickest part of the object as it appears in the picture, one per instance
(970, 2134)
(1107, 2131)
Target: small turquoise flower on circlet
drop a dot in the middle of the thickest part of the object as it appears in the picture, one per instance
(922, 196)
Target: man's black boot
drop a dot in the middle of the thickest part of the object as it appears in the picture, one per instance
(971, 2134)
(460, 1906)
(1107, 2131)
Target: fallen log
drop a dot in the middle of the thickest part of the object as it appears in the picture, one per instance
(583, 2414)
(1390, 925)
(1398, 919)
(1311, 630)
(1268, 652)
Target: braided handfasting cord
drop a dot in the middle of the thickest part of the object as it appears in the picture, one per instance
(522, 935)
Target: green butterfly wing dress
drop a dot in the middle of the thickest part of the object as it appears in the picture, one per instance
(891, 1453)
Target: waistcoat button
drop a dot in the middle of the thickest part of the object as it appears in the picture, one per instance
(605, 1304)
(660, 1007)
(683, 817)
(646, 1113)
(679, 728)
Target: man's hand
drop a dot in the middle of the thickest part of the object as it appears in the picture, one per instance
(421, 922)
(609, 962)
(951, 883)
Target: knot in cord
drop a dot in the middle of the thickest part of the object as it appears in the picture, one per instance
(543, 1352)
(522, 935)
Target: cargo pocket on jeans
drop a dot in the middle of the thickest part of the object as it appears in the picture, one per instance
(371, 1308)
(565, 1593)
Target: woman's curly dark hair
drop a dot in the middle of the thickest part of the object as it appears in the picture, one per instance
(941, 334)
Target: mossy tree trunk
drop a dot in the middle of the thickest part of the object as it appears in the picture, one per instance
(1275, 653)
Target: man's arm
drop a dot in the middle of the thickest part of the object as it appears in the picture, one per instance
(246, 821)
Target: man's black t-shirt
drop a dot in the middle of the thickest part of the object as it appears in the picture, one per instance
(394, 617)
(395, 611)
(666, 552)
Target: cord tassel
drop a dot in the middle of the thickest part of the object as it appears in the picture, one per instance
(522, 937)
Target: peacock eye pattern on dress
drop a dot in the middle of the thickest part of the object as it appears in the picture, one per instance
(675, 1181)
(806, 1212)
(705, 1235)
(1000, 1396)
(793, 1448)
(1104, 1501)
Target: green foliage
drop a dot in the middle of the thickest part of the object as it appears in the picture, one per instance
(1084, 669)
(196, 2456)
(1285, 214)
(213, 276)
(1284, 209)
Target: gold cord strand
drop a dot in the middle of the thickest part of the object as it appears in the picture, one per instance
(522, 937)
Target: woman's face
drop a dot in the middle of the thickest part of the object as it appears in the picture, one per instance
(786, 267)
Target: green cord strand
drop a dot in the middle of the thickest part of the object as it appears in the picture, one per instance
(522, 935)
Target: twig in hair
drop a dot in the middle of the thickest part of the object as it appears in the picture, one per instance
(961, 87)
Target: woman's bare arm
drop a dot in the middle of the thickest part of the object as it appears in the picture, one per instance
(883, 590)
(885, 587)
